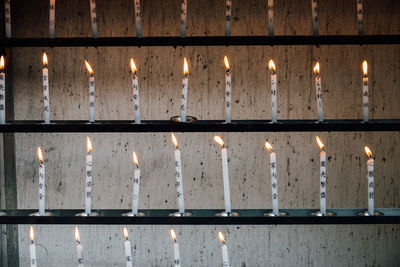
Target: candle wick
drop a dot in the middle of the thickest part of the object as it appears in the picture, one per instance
(186, 75)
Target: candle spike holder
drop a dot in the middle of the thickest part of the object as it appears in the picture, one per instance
(46, 213)
(84, 214)
(179, 214)
(3, 213)
(281, 214)
(189, 119)
(131, 214)
(228, 214)
(365, 213)
(320, 214)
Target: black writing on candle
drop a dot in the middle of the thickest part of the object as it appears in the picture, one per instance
(271, 17)
(360, 14)
(315, 16)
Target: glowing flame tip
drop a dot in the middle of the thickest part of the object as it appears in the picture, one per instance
(133, 66)
(365, 67)
(173, 235)
(31, 234)
(316, 68)
(77, 238)
(319, 142)
(268, 146)
(368, 151)
(126, 233)
(221, 237)
(174, 140)
(89, 144)
(88, 67)
(44, 58)
(40, 154)
(226, 63)
(135, 159)
(271, 65)
(2, 63)
(185, 66)
(219, 140)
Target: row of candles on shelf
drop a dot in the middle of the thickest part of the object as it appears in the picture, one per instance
(185, 88)
(127, 249)
(183, 12)
(225, 174)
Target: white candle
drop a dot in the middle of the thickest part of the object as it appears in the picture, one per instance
(46, 97)
(136, 182)
(271, 17)
(273, 91)
(365, 92)
(225, 173)
(138, 21)
(135, 85)
(178, 174)
(93, 17)
(177, 258)
(7, 17)
(228, 15)
(360, 13)
(42, 191)
(88, 192)
(79, 248)
(318, 93)
(315, 16)
(52, 23)
(91, 92)
(274, 178)
(2, 92)
(370, 177)
(32, 248)
(228, 84)
(127, 247)
(322, 175)
(224, 249)
(185, 85)
(183, 18)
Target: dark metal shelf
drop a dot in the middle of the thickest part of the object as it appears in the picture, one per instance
(204, 41)
(202, 126)
(200, 217)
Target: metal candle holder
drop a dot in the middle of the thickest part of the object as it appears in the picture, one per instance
(84, 214)
(130, 214)
(179, 214)
(319, 214)
(47, 213)
(189, 119)
(365, 213)
(281, 213)
(227, 214)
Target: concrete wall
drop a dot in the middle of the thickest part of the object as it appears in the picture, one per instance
(160, 72)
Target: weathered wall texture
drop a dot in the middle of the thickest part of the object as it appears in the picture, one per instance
(160, 72)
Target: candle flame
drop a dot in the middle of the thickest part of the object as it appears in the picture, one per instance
(89, 144)
(77, 238)
(185, 66)
(271, 65)
(173, 235)
(135, 159)
(319, 142)
(126, 233)
(316, 68)
(219, 140)
(88, 67)
(31, 234)
(368, 151)
(174, 141)
(226, 63)
(268, 146)
(133, 66)
(40, 154)
(221, 237)
(365, 67)
(2, 63)
(44, 59)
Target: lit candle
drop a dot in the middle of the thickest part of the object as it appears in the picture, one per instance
(365, 91)
(136, 182)
(322, 176)
(228, 84)
(2, 92)
(271, 17)
(127, 246)
(79, 248)
(135, 85)
(52, 9)
(183, 18)
(271, 66)
(88, 195)
(274, 178)
(7, 17)
(318, 93)
(42, 188)
(370, 176)
(360, 16)
(315, 16)
(91, 91)
(138, 21)
(224, 249)
(225, 173)
(177, 258)
(32, 248)
(93, 17)
(178, 174)
(46, 100)
(228, 15)
(185, 85)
